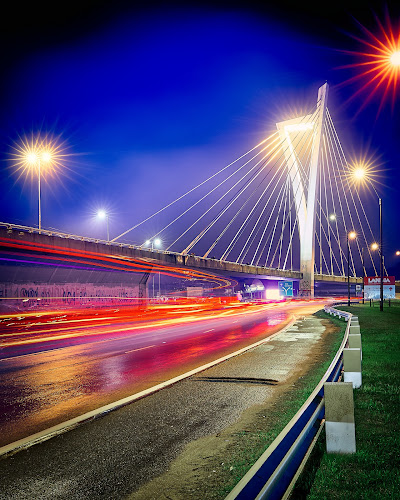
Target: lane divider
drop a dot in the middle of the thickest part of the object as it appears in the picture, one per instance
(140, 348)
(39, 437)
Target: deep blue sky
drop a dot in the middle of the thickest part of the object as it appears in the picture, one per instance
(152, 101)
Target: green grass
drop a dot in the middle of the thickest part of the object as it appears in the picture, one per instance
(255, 440)
(373, 471)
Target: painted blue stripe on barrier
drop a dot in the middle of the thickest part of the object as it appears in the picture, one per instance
(266, 470)
(281, 486)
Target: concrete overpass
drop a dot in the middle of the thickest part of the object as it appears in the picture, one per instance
(52, 239)
(12, 272)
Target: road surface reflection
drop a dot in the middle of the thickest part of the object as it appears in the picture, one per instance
(55, 367)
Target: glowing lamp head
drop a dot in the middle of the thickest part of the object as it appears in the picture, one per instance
(46, 157)
(332, 217)
(352, 235)
(147, 243)
(397, 252)
(32, 158)
(359, 173)
(101, 214)
(374, 246)
(157, 242)
(395, 58)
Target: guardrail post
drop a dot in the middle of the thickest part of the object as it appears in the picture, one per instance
(352, 366)
(339, 417)
(354, 342)
(354, 328)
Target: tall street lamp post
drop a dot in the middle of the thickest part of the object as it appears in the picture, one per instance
(381, 254)
(34, 158)
(363, 272)
(361, 174)
(102, 214)
(153, 243)
(351, 236)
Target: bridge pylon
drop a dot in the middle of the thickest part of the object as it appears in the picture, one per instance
(304, 186)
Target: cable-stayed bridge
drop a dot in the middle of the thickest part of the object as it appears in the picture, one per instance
(283, 209)
(286, 204)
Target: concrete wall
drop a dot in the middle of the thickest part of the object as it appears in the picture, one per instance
(28, 296)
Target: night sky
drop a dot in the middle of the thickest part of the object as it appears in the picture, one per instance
(151, 101)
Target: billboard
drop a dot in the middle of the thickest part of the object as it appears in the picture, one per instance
(372, 287)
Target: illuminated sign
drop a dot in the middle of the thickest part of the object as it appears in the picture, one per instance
(285, 288)
(372, 287)
(376, 280)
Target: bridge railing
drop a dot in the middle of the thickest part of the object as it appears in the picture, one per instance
(60, 234)
(276, 471)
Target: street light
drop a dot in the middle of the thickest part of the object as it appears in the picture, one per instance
(361, 174)
(152, 243)
(350, 236)
(39, 154)
(34, 158)
(102, 214)
(395, 58)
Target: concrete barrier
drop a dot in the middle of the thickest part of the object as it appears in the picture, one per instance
(355, 340)
(339, 417)
(352, 366)
(354, 329)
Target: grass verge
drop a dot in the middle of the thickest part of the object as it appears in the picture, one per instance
(373, 471)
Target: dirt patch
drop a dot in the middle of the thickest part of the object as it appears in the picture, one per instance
(210, 466)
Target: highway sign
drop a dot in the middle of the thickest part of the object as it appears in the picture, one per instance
(285, 288)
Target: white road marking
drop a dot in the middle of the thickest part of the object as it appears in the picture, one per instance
(140, 348)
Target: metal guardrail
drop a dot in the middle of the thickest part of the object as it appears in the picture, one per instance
(275, 472)
(337, 313)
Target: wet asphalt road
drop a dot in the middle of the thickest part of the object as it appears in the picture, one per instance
(115, 455)
(55, 381)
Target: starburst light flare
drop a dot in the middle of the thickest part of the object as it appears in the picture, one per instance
(379, 63)
(46, 153)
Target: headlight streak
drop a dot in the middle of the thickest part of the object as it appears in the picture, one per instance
(85, 332)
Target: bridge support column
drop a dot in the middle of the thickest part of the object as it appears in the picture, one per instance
(305, 199)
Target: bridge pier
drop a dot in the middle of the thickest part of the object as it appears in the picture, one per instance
(305, 199)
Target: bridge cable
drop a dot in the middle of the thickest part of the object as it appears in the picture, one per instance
(298, 135)
(205, 230)
(247, 244)
(194, 188)
(212, 190)
(361, 204)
